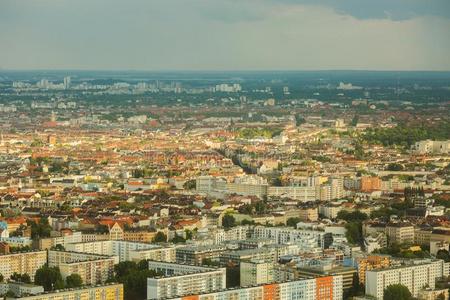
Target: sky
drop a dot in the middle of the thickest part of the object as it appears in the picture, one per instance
(159, 35)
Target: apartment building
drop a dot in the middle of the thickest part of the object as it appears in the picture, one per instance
(22, 263)
(184, 280)
(371, 262)
(305, 238)
(64, 240)
(194, 255)
(169, 269)
(432, 147)
(309, 214)
(92, 268)
(400, 233)
(322, 288)
(98, 292)
(256, 272)
(125, 250)
(414, 276)
(237, 256)
(370, 183)
(299, 193)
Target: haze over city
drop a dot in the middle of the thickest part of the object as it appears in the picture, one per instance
(225, 34)
(225, 149)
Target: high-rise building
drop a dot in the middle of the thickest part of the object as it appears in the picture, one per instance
(255, 272)
(180, 280)
(415, 277)
(22, 263)
(322, 288)
(92, 268)
(67, 82)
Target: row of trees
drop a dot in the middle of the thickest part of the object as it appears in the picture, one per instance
(51, 279)
(406, 135)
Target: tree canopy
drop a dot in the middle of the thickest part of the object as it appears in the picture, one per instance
(49, 277)
(397, 292)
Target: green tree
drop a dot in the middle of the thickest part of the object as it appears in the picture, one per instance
(293, 222)
(353, 216)
(1, 278)
(160, 237)
(189, 234)
(394, 167)
(354, 232)
(247, 209)
(134, 278)
(25, 278)
(190, 184)
(355, 120)
(178, 239)
(49, 277)
(41, 229)
(228, 221)
(73, 281)
(58, 247)
(443, 254)
(261, 207)
(247, 222)
(397, 292)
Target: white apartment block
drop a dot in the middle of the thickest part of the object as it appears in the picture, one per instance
(415, 277)
(125, 250)
(196, 281)
(307, 239)
(256, 272)
(299, 193)
(432, 147)
(169, 269)
(329, 288)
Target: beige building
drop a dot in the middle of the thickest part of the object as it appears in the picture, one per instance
(309, 214)
(116, 232)
(371, 262)
(99, 292)
(92, 268)
(256, 272)
(22, 263)
(400, 233)
(422, 236)
(429, 294)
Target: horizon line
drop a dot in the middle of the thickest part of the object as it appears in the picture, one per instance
(220, 70)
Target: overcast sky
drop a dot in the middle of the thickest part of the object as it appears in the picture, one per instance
(225, 34)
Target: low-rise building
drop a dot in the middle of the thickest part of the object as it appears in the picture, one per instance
(98, 292)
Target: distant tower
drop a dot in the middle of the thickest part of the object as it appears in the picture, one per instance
(67, 82)
(53, 117)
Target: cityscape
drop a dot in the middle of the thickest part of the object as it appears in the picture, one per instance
(234, 178)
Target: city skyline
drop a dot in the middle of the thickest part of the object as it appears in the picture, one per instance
(225, 35)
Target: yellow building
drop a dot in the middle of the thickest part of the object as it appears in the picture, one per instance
(139, 236)
(22, 263)
(371, 262)
(103, 292)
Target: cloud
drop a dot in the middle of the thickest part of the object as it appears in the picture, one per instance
(381, 9)
(218, 34)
